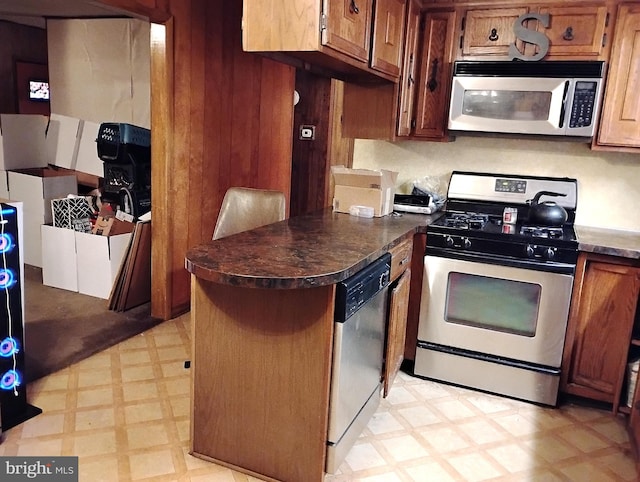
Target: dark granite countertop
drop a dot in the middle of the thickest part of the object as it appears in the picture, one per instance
(612, 242)
(304, 251)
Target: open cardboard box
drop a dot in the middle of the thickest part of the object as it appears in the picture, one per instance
(363, 187)
(83, 262)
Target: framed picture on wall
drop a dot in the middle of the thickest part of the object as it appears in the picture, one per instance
(32, 88)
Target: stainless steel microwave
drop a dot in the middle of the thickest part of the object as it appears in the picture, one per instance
(551, 98)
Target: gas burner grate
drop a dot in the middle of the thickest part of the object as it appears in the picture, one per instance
(542, 232)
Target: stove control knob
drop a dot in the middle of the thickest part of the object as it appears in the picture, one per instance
(549, 253)
(449, 241)
(530, 251)
(466, 242)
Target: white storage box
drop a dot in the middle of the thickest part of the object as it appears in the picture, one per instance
(99, 259)
(86, 263)
(23, 141)
(37, 187)
(59, 263)
(63, 140)
(363, 188)
(87, 160)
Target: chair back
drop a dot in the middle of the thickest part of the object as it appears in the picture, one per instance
(245, 208)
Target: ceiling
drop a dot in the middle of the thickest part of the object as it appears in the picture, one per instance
(34, 12)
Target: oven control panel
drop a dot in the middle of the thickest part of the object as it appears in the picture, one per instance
(511, 185)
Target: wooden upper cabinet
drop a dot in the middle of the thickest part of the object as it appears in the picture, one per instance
(348, 27)
(489, 32)
(620, 120)
(328, 37)
(435, 75)
(388, 35)
(409, 70)
(575, 31)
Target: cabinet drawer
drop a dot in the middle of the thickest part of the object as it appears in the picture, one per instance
(400, 258)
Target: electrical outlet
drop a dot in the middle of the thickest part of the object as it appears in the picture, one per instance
(307, 132)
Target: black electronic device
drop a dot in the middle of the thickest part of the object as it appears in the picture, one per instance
(14, 408)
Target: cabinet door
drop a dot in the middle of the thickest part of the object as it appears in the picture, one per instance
(348, 27)
(575, 31)
(435, 75)
(620, 121)
(396, 329)
(634, 422)
(490, 32)
(409, 70)
(388, 34)
(599, 331)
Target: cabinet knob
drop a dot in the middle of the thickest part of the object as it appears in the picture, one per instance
(568, 34)
(493, 36)
(353, 7)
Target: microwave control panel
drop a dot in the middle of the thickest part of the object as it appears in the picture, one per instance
(584, 99)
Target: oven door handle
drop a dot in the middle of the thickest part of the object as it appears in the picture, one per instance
(547, 266)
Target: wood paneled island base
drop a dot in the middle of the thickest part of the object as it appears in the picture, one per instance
(261, 361)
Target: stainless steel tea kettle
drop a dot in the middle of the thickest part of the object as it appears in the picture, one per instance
(546, 213)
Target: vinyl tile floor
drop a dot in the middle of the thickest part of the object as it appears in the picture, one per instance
(125, 413)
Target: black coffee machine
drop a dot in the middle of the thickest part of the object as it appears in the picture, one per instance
(125, 150)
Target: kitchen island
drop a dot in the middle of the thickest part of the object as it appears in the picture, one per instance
(262, 333)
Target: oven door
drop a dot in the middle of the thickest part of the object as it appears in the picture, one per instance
(501, 311)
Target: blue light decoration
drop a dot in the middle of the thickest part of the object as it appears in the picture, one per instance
(9, 347)
(10, 380)
(7, 278)
(6, 243)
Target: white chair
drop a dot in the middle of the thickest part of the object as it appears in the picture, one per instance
(246, 208)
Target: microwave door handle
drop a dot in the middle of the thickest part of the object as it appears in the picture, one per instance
(563, 110)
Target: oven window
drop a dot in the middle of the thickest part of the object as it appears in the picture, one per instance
(493, 303)
(507, 104)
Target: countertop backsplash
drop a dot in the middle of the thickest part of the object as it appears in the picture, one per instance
(608, 182)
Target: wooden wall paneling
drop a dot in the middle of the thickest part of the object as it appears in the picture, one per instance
(162, 155)
(17, 43)
(181, 197)
(275, 126)
(220, 117)
(215, 116)
(309, 158)
(320, 105)
(200, 98)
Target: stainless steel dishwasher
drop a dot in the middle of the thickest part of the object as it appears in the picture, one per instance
(360, 322)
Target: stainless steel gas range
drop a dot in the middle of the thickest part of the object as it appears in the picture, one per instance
(497, 288)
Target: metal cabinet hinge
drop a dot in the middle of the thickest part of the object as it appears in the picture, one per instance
(323, 22)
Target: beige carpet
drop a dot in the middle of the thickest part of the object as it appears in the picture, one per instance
(63, 327)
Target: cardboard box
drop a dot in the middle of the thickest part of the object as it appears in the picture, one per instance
(363, 187)
(23, 141)
(99, 259)
(59, 262)
(82, 262)
(87, 159)
(38, 186)
(63, 140)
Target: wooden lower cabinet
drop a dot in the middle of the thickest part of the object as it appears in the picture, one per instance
(599, 332)
(396, 329)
